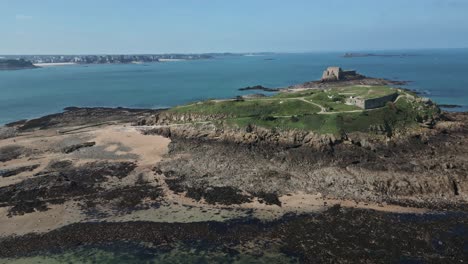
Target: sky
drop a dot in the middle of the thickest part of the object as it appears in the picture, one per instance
(199, 26)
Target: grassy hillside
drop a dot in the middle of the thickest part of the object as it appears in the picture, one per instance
(248, 108)
(322, 111)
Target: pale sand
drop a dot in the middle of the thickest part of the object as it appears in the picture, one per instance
(39, 222)
(149, 149)
(170, 60)
(182, 210)
(53, 64)
(46, 145)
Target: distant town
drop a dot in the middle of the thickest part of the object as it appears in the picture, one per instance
(104, 59)
(115, 59)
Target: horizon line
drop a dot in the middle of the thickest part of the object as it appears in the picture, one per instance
(232, 52)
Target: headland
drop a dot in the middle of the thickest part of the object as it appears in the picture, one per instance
(16, 64)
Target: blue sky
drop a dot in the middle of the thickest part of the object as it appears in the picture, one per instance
(163, 26)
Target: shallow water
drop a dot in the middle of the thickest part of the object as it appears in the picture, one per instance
(439, 74)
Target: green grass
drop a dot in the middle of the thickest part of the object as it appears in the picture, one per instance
(313, 122)
(332, 101)
(400, 116)
(296, 94)
(257, 107)
(365, 92)
(289, 111)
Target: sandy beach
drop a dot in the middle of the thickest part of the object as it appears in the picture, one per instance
(170, 60)
(54, 64)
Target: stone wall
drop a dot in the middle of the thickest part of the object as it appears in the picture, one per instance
(380, 101)
(356, 101)
(371, 103)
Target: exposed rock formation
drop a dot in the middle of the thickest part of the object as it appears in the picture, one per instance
(77, 116)
(425, 168)
(76, 147)
(260, 87)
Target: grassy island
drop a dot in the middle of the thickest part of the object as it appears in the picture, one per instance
(321, 110)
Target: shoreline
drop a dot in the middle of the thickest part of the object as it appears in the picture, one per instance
(95, 179)
(171, 60)
(54, 64)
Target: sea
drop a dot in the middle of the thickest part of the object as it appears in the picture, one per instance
(441, 75)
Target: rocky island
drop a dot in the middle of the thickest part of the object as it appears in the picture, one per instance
(374, 171)
(361, 55)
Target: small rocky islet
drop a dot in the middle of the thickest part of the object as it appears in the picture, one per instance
(314, 173)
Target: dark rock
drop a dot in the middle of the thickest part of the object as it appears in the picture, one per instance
(259, 87)
(60, 165)
(25, 207)
(11, 152)
(268, 198)
(76, 116)
(14, 171)
(337, 235)
(224, 195)
(76, 147)
(449, 105)
(16, 123)
(55, 186)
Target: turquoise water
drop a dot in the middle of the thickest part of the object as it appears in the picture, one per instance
(440, 74)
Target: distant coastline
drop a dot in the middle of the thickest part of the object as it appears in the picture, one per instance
(61, 60)
(360, 55)
(8, 64)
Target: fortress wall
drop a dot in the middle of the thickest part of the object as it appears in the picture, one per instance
(356, 101)
(379, 102)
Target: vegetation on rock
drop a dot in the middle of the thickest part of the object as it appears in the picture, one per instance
(317, 110)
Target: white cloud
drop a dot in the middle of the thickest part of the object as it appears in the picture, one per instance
(23, 17)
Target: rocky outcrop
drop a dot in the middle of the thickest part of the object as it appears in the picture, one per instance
(249, 135)
(260, 87)
(209, 131)
(8, 172)
(167, 117)
(424, 169)
(82, 116)
(366, 235)
(11, 152)
(359, 81)
(76, 147)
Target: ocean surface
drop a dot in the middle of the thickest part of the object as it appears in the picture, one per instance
(441, 75)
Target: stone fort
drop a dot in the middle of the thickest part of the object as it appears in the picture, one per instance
(337, 74)
(372, 102)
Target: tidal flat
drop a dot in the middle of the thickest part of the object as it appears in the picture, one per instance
(137, 195)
